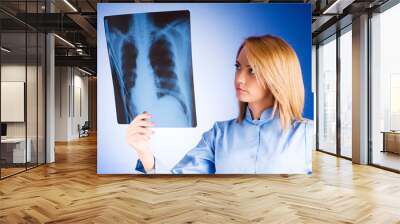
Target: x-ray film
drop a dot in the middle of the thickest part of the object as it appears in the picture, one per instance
(151, 65)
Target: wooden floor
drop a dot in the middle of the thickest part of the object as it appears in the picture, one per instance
(387, 159)
(5, 172)
(70, 191)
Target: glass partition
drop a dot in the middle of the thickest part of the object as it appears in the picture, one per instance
(385, 89)
(22, 77)
(13, 103)
(327, 96)
(346, 93)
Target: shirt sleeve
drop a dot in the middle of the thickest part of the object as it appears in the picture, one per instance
(199, 160)
(309, 135)
(159, 167)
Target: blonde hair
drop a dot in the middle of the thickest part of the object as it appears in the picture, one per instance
(277, 68)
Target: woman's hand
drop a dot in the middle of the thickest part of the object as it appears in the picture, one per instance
(138, 136)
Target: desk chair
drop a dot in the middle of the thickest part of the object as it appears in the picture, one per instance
(84, 130)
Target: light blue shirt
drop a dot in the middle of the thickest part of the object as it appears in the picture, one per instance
(250, 147)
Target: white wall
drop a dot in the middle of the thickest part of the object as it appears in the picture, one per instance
(13, 101)
(61, 103)
(70, 83)
(80, 83)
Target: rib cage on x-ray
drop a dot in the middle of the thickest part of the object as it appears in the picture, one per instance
(151, 65)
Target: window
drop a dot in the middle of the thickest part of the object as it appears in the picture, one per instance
(346, 92)
(327, 96)
(385, 88)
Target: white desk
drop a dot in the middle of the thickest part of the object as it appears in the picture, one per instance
(19, 149)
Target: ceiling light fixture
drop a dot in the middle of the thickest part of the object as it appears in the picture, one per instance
(337, 7)
(70, 5)
(329, 9)
(65, 41)
(5, 50)
(84, 71)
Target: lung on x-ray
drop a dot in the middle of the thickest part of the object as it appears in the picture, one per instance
(151, 64)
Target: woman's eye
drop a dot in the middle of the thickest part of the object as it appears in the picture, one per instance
(237, 67)
(251, 71)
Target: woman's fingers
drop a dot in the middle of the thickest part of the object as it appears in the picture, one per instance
(141, 116)
(138, 133)
(144, 123)
(140, 121)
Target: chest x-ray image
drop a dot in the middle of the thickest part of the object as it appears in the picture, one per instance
(151, 65)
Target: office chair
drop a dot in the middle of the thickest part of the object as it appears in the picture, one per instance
(84, 130)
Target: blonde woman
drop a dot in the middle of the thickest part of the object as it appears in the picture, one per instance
(269, 136)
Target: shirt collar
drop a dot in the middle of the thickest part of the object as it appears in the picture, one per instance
(265, 117)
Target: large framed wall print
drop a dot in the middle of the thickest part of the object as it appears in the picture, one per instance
(191, 88)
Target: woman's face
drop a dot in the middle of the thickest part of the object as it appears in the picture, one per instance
(248, 89)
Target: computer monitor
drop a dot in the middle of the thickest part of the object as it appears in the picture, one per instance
(3, 129)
